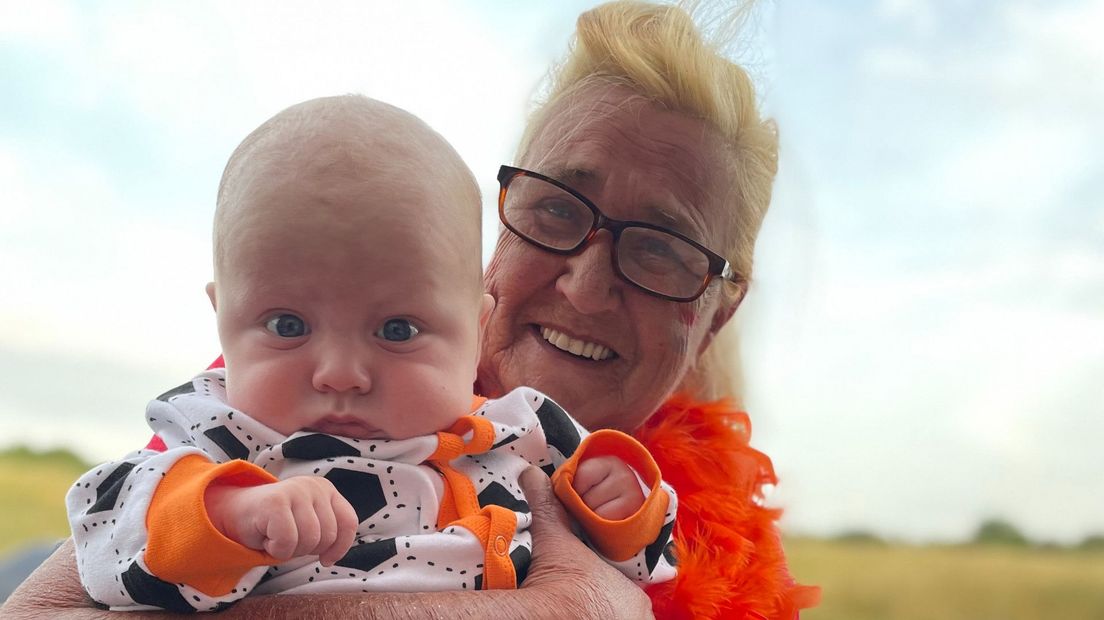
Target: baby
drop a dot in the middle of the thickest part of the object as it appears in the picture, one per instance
(341, 447)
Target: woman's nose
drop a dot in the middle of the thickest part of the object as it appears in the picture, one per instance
(342, 369)
(589, 282)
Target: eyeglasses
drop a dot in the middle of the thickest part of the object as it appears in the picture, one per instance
(555, 217)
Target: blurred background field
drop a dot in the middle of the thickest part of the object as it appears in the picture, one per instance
(999, 575)
(32, 496)
(864, 580)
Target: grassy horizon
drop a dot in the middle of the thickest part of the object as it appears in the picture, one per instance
(33, 485)
(862, 581)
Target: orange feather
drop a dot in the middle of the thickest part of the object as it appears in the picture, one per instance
(730, 559)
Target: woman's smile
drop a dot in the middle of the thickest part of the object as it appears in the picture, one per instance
(581, 348)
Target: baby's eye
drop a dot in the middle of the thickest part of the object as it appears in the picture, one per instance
(287, 326)
(397, 330)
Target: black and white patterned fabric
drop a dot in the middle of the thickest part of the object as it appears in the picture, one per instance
(395, 495)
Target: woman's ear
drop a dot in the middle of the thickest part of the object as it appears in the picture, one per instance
(720, 319)
(726, 308)
(486, 308)
(211, 295)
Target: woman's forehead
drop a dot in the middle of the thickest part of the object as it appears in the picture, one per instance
(662, 166)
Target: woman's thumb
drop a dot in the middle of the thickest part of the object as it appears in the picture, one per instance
(549, 517)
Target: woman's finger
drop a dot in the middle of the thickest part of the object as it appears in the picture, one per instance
(549, 517)
(564, 572)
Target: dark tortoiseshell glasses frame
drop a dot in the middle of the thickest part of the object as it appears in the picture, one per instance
(718, 266)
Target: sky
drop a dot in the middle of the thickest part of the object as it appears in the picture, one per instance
(924, 338)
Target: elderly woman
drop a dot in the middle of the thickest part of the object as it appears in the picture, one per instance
(629, 225)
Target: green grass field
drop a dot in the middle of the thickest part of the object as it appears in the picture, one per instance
(860, 581)
(969, 582)
(32, 495)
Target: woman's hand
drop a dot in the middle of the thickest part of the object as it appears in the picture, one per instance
(567, 578)
(53, 591)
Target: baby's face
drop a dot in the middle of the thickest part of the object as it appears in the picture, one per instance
(346, 309)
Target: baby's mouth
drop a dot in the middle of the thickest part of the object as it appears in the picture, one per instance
(579, 348)
(347, 427)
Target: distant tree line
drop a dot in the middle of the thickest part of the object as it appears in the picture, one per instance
(57, 456)
(1003, 532)
(991, 532)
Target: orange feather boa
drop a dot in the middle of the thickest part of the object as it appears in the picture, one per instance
(730, 559)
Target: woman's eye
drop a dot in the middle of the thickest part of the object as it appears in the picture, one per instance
(658, 248)
(397, 330)
(287, 326)
(559, 210)
(655, 249)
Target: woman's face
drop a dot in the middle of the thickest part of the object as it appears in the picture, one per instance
(635, 161)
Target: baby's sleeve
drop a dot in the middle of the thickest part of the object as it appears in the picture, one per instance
(640, 545)
(143, 539)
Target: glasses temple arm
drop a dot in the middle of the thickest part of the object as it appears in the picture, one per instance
(729, 274)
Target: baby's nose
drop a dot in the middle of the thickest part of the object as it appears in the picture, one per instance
(342, 372)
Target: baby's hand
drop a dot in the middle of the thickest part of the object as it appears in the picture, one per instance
(608, 487)
(303, 515)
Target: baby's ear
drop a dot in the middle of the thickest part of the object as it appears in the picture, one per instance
(211, 295)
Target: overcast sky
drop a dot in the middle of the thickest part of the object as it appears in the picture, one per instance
(924, 341)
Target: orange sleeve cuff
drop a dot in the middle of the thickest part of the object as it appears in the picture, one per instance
(183, 545)
(617, 540)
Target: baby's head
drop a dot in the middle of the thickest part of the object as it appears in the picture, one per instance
(347, 273)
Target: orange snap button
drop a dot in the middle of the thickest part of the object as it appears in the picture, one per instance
(501, 546)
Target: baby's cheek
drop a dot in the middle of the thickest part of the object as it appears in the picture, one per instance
(443, 395)
(261, 400)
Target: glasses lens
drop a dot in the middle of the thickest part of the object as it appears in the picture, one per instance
(545, 214)
(661, 262)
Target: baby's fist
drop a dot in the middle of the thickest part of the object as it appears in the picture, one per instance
(608, 487)
(302, 515)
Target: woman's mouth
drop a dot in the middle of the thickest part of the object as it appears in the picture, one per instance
(575, 346)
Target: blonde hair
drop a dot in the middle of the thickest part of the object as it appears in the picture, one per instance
(657, 51)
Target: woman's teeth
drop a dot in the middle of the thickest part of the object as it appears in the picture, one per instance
(573, 346)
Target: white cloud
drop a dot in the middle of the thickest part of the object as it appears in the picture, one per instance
(1067, 37)
(919, 16)
(85, 274)
(1028, 55)
(43, 23)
